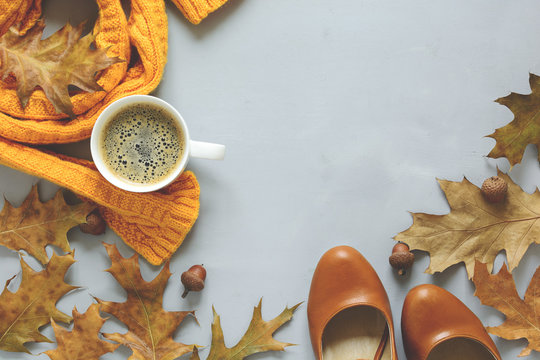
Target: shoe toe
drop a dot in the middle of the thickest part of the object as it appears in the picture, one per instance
(432, 315)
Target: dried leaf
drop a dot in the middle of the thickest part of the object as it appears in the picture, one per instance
(34, 224)
(476, 229)
(258, 337)
(195, 354)
(522, 316)
(150, 327)
(63, 59)
(83, 342)
(513, 138)
(33, 305)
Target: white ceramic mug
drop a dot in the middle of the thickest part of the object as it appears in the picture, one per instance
(192, 148)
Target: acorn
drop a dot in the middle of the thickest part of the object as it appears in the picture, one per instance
(401, 258)
(494, 189)
(193, 279)
(94, 225)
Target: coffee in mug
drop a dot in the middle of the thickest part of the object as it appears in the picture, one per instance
(141, 143)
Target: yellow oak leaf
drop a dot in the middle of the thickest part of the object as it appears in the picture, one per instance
(513, 138)
(33, 305)
(150, 327)
(83, 342)
(54, 63)
(34, 224)
(476, 229)
(522, 315)
(258, 337)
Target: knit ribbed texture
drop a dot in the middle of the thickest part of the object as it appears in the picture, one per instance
(15, 11)
(196, 10)
(153, 224)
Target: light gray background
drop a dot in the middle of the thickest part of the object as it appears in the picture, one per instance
(338, 116)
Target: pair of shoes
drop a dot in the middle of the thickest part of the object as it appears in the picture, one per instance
(350, 317)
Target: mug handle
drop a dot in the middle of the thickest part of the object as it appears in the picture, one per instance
(205, 150)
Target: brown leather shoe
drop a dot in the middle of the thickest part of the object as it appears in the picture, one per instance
(348, 310)
(436, 325)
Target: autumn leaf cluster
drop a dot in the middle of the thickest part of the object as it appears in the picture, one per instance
(476, 230)
(33, 226)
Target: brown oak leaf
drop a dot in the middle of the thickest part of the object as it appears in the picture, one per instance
(258, 337)
(83, 342)
(34, 224)
(522, 315)
(33, 305)
(476, 229)
(150, 327)
(62, 59)
(513, 138)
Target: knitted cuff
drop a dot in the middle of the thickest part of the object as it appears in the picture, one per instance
(196, 10)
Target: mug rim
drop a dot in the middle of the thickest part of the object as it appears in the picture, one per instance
(103, 120)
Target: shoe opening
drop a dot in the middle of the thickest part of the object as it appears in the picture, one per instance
(460, 349)
(359, 332)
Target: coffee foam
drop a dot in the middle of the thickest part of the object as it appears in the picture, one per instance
(142, 144)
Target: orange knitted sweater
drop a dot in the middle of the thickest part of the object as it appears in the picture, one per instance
(153, 224)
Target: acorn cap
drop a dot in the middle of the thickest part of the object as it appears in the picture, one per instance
(94, 225)
(401, 260)
(193, 279)
(494, 189)
(192, 282)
